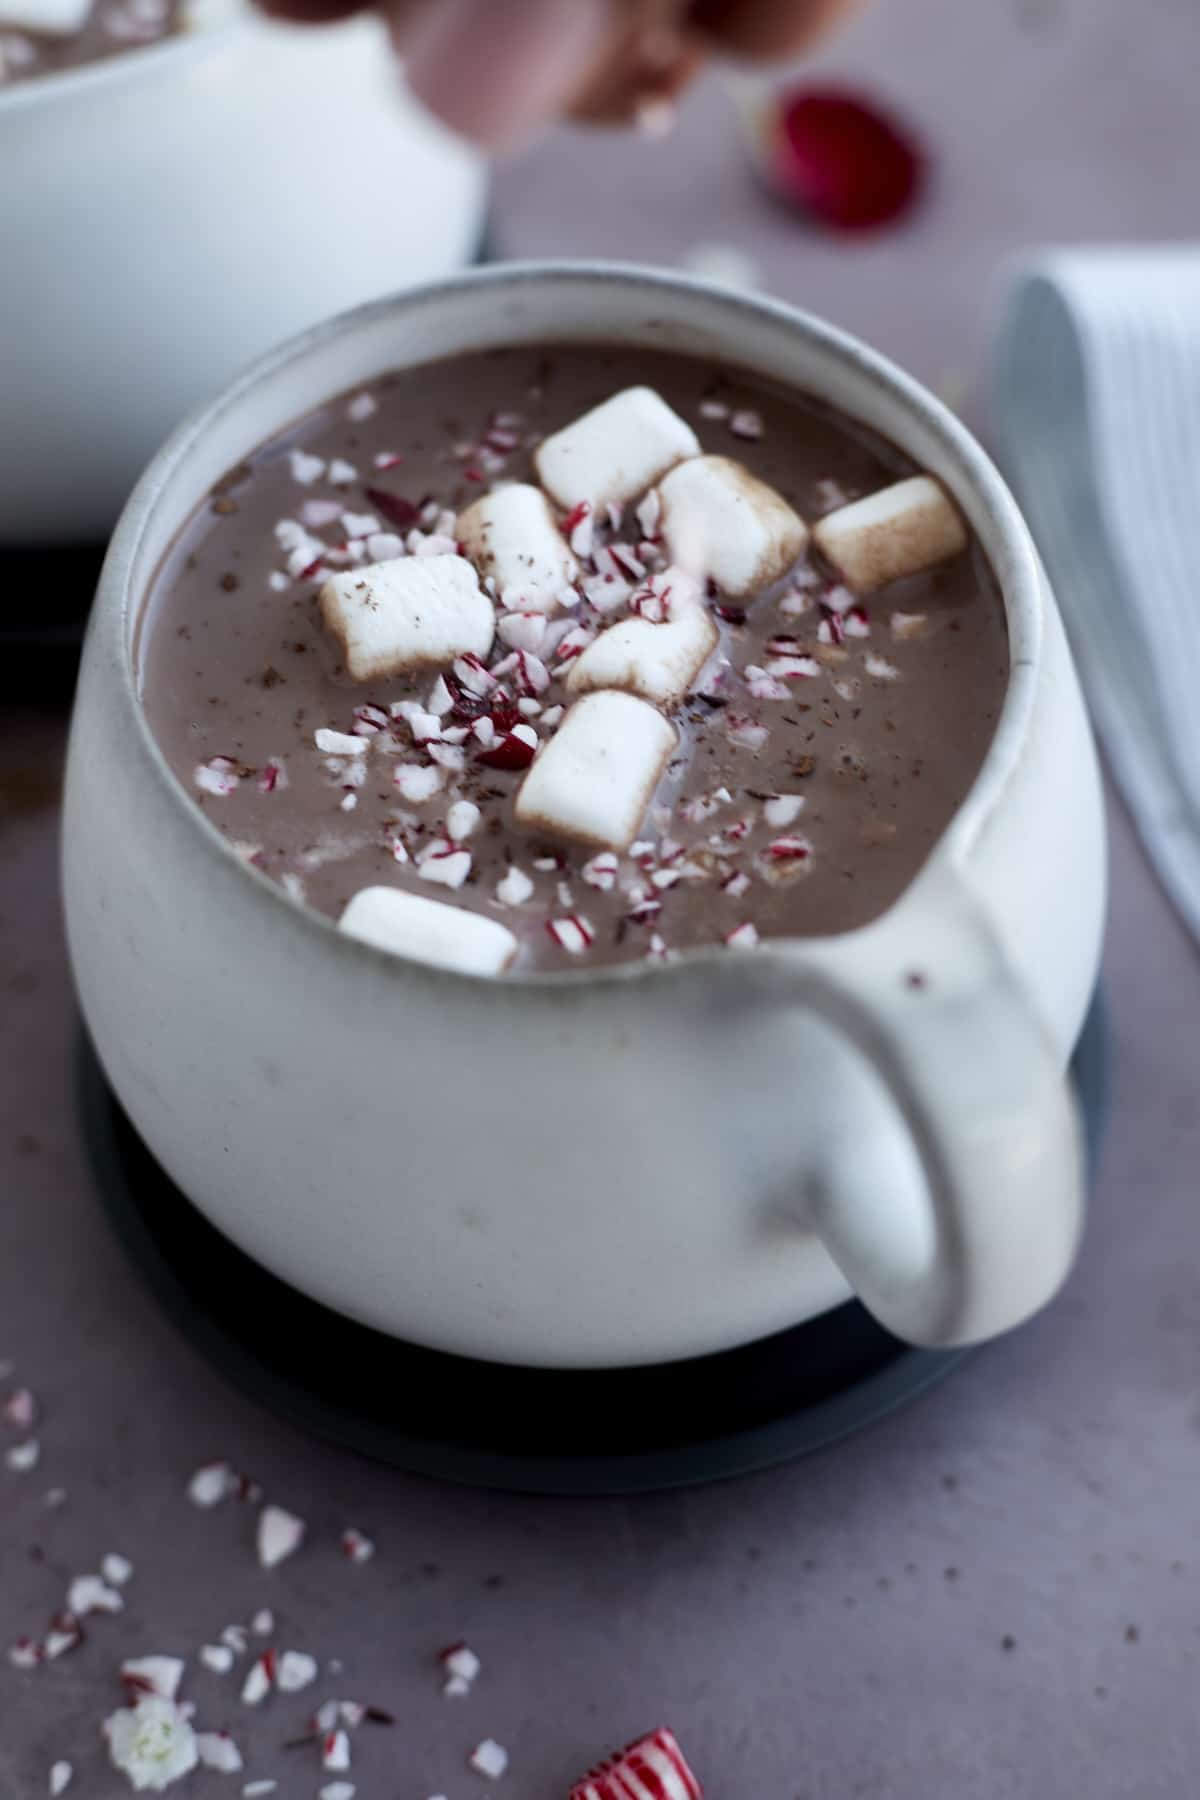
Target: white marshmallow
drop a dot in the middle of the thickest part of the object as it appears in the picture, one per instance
(54, 17)
(594, 779)
(721, 523)
(512, 535)
(410, 613)
(431, 931)
(657, 661)
(615, 452)
(898, 531)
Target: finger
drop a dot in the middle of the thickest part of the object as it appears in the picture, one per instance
(768, 28)
(643, 67)
(495, 69)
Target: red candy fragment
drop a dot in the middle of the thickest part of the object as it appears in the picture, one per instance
(652, 1769)
(394, 507)
(839, 157)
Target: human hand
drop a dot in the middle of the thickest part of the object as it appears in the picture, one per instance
(496, 69)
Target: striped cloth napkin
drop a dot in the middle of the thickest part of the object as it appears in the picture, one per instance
(1096, 398)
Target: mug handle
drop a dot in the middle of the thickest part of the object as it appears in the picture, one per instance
(929, 999)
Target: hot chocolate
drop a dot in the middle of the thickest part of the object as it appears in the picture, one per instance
(580, 657)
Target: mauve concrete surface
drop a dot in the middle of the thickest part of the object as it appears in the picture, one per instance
(994, 1593)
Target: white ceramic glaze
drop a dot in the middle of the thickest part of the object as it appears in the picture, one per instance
(170, 213)
(646, 1162)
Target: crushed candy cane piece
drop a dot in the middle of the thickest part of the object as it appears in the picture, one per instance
(159, 1675)
(574, 935)
(614, 452)
(601, 871)
(263, 1622)
(880, 668)
(782, 810)
(361, 408)
(356, 1546)
(152, 1743)
(742, 937)
(294, 1670)
(257, 1790)
(280, 1534)
(20, 1409)
(60, 1777)
(217, 1750)
(339, 743)
(305, 468)
(462, 818)
(489, 1758)
(218, 776)
(335, 1752)
(212, 1483)
(217, 1657)
(418, 784)
(260, 1679)
(336, 1790)
(88, 1594)
(235, 1637)
(461, 1662)
(746, 424)
(515, 887)
(653, 1768)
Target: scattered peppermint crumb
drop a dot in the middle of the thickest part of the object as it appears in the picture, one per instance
(211, 1483)
(335, 1752)
(23, 1457)
(152, 1743)
(280, 1534)
(54, 1496)
(253, 1790)
(489, 1758)
(217, 1750)
(87, 1594)
(356, 1546)
(218, 1657)
(158, 1675)
(116, 1568)
(361, 407)
(336, 1790)
(259, 1677)
(263, 1622)
(305, 469)
(295, 1670)
(60, 1777)
(746, 424)
(20, 1409)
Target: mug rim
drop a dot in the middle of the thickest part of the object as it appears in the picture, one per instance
(116, 604)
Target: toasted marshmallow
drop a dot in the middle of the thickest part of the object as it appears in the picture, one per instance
(898, 531)
(594, 780)
(411, 925)
(413, 612)
(657, 661)
(615, 452)
(57, 18)
(512, 536)
(723, 524)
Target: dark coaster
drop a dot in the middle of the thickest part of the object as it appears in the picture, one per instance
(548, 1431)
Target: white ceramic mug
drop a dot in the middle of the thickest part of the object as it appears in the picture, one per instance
(642, 1162)
(174, 210)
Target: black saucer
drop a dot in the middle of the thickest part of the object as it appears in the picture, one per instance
(618, 1431)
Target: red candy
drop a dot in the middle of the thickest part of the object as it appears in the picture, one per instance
(652, 1769)
(841, 159)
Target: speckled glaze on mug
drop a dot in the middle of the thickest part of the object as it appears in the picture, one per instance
(640, 1162)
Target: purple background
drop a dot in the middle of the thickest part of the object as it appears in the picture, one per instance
(994, 1593)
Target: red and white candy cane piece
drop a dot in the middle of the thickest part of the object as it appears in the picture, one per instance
(652, 1769)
